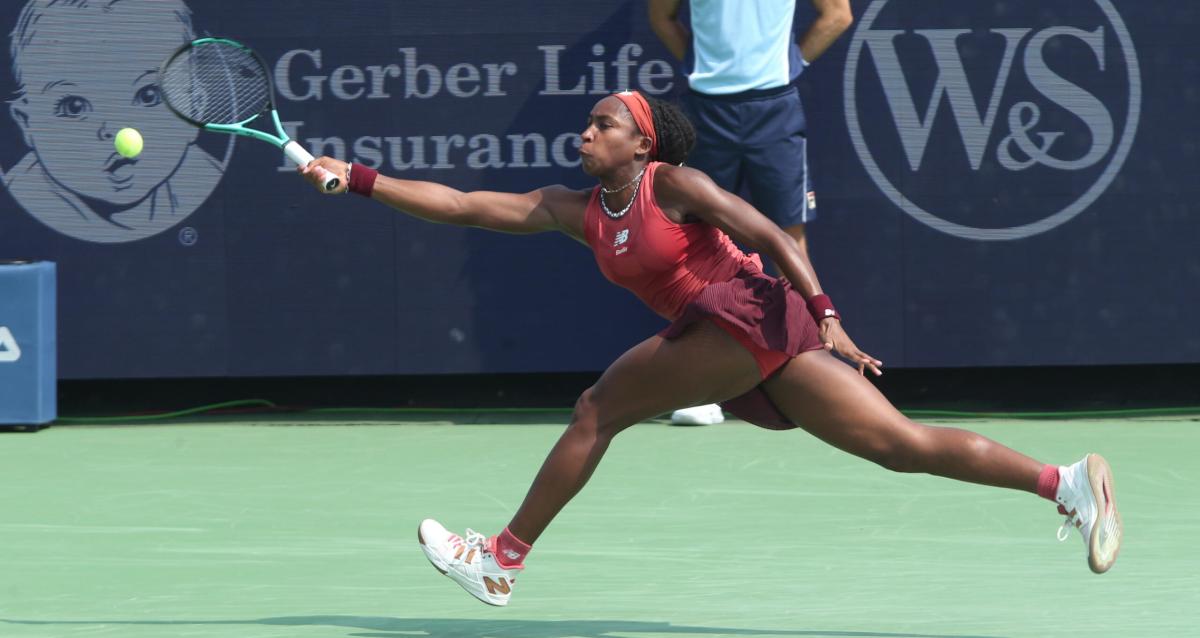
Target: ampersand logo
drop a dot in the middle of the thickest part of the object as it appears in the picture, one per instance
(992, 121)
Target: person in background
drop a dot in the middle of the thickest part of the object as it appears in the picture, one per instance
(750, 125)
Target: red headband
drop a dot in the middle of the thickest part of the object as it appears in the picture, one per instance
(640, 109)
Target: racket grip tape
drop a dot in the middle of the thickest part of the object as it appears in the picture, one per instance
(301, 157)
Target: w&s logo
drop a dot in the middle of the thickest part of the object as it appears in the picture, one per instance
(992, 121)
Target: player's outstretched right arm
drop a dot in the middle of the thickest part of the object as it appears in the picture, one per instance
(544, 209)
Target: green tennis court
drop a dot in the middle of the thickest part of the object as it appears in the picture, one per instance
(304, 526)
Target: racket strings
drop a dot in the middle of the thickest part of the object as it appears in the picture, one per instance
(216, 83)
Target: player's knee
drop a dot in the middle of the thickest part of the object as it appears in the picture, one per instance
(592, 411)
(973, 446)
(905, 453)
(584, 414)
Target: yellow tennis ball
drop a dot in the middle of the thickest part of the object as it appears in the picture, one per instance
(128, 142)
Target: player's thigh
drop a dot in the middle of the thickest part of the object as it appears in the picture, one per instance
(833, 402)
(703, 365)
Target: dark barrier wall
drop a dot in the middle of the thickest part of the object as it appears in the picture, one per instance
(999, 183)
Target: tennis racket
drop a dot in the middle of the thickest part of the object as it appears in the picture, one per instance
(223, 86)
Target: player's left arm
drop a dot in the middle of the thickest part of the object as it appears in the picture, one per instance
(833, 18)
(691, 192)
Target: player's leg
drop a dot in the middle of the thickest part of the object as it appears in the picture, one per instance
(836, 404)
(830, 400)
(703, 364)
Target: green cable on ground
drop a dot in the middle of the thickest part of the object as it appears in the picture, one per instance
(1063, 414)
(916, 414)
(167, 415)
(441, 410)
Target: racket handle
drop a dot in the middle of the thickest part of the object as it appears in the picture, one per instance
(301, 157)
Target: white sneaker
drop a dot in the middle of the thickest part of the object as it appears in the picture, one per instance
(1085, 496)
(699, 415)
(469, 562)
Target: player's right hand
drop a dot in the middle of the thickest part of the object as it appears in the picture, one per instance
(837, 341)
(337, 167)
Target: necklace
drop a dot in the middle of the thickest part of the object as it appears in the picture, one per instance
(636, 184)
(636, 179)
(621, 213)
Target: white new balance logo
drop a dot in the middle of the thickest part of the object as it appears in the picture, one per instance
(621, 237)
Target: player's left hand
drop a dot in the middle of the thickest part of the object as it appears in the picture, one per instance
(836, 340)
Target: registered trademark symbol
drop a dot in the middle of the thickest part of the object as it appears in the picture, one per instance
(188, 236)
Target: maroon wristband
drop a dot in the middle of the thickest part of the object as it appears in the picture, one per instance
(820, 307)
(362, 180)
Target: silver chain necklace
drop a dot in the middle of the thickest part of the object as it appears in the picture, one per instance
(636, 183)
(636, 178)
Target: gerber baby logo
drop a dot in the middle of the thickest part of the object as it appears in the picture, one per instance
(992, 121)
(81, 71)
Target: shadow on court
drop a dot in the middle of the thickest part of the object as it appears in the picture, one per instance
(386, 627)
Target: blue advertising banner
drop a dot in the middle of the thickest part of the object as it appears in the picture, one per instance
(999, 183)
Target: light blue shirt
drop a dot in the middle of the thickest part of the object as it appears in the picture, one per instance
(741, 45)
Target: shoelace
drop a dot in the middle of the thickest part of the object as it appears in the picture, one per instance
(1073, 520)
(473, 541)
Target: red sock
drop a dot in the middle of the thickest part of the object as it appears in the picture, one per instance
(1047, 485)
(510, 551)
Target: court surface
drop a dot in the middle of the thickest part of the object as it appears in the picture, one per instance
(305, 526)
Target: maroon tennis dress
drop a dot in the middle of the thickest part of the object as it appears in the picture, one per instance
(693, 272)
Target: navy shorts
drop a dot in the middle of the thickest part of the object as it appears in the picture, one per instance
(753, 143)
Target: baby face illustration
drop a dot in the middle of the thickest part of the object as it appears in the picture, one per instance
(86, 73)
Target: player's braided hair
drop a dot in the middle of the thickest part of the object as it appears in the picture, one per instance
(676, 137)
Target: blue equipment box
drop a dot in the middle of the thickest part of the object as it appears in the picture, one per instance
(28, 343)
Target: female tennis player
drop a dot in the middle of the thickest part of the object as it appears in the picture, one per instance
(761, 346)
